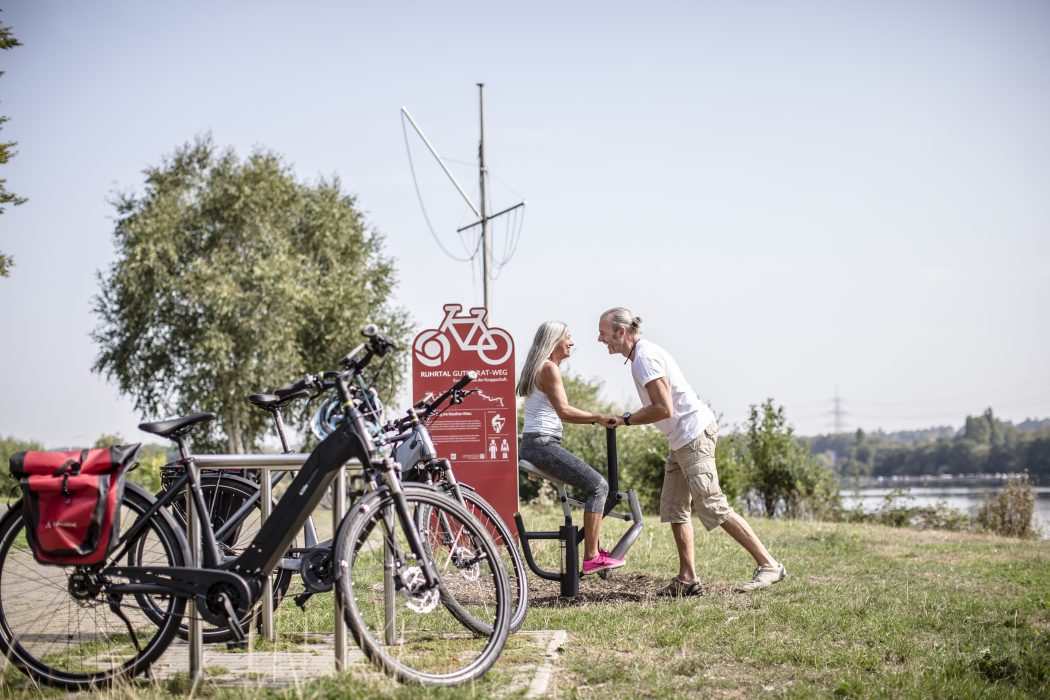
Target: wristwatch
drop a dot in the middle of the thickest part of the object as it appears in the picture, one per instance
(626, 417)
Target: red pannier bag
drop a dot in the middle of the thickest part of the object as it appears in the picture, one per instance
(72, 501)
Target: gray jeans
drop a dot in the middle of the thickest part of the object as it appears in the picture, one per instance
(547, 454)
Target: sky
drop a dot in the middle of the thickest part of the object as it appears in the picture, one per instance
(801, 200)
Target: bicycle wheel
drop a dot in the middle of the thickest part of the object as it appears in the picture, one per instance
(399, 623)
(224, 498)
(507, 547)
(65, 627)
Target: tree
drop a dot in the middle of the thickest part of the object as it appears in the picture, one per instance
(232, 277)
(9, 490)
(781, 475)
(7, 41)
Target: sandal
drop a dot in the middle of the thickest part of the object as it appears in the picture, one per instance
(680, 589)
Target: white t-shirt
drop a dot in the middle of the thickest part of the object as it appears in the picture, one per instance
(689, 415)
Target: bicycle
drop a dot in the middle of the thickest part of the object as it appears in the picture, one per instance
(84, 627)
(419, 460)
(234, 507)
(414, 450)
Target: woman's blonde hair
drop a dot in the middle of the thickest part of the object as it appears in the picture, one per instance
(548, 335)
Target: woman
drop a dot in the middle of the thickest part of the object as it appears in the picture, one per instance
(546, 408)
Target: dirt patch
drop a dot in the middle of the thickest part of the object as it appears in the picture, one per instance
(627, 587)
(618, 588)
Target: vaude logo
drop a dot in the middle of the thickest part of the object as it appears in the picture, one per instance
(60, 523)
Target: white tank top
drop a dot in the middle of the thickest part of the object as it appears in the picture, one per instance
(540, 416)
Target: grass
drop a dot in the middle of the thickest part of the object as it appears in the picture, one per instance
(867, 611)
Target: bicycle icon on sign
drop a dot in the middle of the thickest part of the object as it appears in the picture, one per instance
(493, 345)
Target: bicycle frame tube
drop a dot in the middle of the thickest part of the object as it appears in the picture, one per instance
(211, 556)
(302, 497)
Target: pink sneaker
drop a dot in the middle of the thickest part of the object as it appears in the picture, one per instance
(602, 562)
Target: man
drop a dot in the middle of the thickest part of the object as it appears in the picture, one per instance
(690, 476)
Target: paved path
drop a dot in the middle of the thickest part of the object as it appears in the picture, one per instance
(315, 658)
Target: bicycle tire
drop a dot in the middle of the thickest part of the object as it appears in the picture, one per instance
(494, 526)
(427, 644)
(79, 643)
(507, 545)
(223, 496)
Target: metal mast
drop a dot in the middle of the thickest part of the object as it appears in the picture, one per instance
(483, 213)
(483, 176)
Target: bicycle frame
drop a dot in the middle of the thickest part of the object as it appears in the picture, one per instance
(246, 572)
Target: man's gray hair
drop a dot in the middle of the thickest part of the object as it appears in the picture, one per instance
(623, 318)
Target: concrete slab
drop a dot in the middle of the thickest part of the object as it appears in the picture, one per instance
(314, 658)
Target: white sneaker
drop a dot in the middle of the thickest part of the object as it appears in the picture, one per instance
(765, 576)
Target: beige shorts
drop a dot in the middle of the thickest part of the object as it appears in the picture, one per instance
(691, 483)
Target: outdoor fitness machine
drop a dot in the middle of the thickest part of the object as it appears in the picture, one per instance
(569, 534)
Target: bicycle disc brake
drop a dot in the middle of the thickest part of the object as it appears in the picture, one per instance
(420, 599)
(466, 560)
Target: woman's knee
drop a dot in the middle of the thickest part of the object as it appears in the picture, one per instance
(600, 492)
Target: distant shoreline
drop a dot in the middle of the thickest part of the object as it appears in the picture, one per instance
(992, 479)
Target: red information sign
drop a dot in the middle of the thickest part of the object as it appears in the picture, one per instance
(479, 435)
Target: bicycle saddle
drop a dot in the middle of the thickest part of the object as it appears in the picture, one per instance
(175, 427)
(277, 399)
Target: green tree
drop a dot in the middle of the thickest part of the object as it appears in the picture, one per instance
(232, 277)
(9, 490)
(7, 41)
(781, 475)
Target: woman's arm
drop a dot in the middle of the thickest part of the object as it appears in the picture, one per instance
(549, 381)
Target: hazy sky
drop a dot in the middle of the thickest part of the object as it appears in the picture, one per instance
(794, 196)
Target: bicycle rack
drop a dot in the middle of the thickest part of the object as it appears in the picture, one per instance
(571, 535)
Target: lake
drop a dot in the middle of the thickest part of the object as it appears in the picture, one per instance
(963, 498)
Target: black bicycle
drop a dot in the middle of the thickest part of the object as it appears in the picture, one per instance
(79, 627)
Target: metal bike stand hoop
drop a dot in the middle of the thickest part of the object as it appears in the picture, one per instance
(267, 462)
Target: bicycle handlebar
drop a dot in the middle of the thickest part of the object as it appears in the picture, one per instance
(458, 386)
(425, 408)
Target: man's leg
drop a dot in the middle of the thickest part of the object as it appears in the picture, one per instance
(675, 509)
(683, 540)
(737, 528)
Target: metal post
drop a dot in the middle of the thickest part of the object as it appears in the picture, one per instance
(338, 511)
(390, 612)
(483, 175)
(196, 637)
(265, 494)
(614, 462)
(570, 561)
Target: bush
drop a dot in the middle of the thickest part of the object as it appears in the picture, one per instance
(897, 511)
(9, 491)
(1010, 512)
(781, 477)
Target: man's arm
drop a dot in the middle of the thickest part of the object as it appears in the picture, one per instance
(660, 407)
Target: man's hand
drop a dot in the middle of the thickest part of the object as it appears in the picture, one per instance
(612, 421)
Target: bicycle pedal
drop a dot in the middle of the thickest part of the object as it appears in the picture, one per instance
(301, 599)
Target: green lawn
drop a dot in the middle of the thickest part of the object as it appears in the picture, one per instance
(867, 611)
